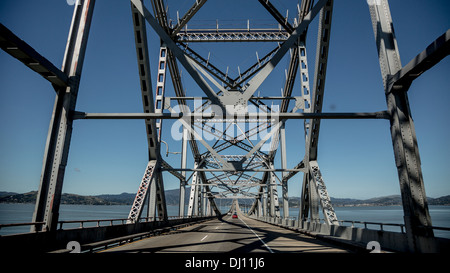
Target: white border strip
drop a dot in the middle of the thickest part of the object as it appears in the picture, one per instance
(264, 243)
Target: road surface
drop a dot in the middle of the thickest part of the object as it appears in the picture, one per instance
(241, 235)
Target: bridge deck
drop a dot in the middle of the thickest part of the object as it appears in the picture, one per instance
(242, 235)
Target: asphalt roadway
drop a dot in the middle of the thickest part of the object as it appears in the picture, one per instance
(232, 235)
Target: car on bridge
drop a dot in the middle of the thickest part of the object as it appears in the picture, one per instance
(235, 215)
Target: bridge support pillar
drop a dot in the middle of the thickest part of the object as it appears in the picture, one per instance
(264, 202)
(284, 183)
(193, 203)
(60, 130)
(274, 207)
(183, 173)
(407, 159)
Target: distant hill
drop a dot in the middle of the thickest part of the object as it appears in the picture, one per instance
(173, 198)
(443, 200)
(66, 198)
(391, 200)
(6, 193)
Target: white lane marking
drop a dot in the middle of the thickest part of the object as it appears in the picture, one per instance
(264, 243)
(203, 238)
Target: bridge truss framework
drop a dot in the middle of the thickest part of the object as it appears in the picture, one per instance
(235, 174)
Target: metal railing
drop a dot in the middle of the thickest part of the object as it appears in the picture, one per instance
(97, 221)
(36, 224)
(381, 225)
(364, 224)
(150, 219)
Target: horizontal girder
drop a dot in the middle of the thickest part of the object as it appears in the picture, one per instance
(232, 35)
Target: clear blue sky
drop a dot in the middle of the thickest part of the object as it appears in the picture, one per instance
(355, 157)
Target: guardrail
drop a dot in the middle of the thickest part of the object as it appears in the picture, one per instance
(365, 224)
(97, 221)
(150, 219)
(402, 226)
(36, 224)
(359, 233)
(85, 232)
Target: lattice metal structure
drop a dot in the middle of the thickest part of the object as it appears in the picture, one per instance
(233, 103)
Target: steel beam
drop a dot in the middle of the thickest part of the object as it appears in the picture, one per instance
(23, 52)
(160, 87)
(257, 80)
(299, 166)
(233, 170)
(310, 196)
(194, 194)
(406, 151)
(232, 35)
(323, 40)
(60, 131)
(155, 192)
(284, 183)
(183, 173)
(177, 52)
(304, 205)
(208, 66)
(274, 206)
(324, 198)
(160, 200)
(189, 14)
(246, 117)
(141, 44)
(434, 53)
(168, 167)
(252, 70)
(277, 15)
(138, 203)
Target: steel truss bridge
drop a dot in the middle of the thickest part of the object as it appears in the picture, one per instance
(248, 172)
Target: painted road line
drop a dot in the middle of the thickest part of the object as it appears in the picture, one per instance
(264, 243)
(203, 238)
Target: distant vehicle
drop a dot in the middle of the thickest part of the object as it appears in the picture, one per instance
(235, 215)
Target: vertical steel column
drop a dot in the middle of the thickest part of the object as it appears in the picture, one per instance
(157, 189)
(265, 200)
(273, 195)
(151, 200)
(193, 195)
(303, 211)
(312, 199)
(208, 208)
(156, 198)
(259, 208)
(60, 130)
(304, 80)
(198, 208)
(138, 203)
(406, 151)
(160, 86)
(140, 37)
(161, 198)
(183, 173)
(284, 166)
(306, 95)
(325, 201)
(205, 203)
